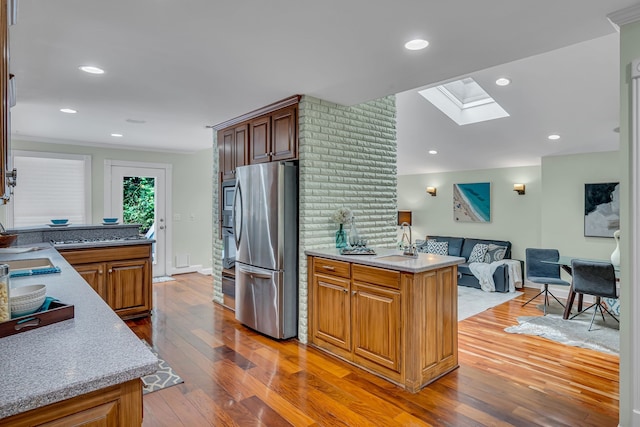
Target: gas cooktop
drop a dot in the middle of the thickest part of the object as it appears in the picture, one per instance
(94, 240)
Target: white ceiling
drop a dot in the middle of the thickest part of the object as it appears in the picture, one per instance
(182, 65)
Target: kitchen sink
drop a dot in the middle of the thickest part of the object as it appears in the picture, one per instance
(29, 267)
(395, 258)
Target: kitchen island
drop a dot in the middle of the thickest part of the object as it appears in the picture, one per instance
(88, 367)
(394, 316)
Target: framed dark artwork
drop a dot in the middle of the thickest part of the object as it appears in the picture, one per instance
(601, 209)
(472, 202)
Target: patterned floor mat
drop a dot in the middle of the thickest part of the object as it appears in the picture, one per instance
(164, 377)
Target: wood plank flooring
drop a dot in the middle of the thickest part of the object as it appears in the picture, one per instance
(236, 377)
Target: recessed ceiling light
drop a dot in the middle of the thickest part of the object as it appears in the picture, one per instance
(91, 70)
(416, 44)
(554, 137)
(433, 152)
(116, 135)
(503, 81)
(68, 110)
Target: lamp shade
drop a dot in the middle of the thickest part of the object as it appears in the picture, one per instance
(404, 216)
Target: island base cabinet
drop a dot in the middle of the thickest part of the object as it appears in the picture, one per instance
(119, 405)
(401, 326)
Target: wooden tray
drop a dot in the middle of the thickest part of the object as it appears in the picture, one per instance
(57, 313)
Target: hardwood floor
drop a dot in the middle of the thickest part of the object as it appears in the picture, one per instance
(236, 377)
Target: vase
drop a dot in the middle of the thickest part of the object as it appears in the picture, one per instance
(615, 256)
(354, 236)
(341, 237)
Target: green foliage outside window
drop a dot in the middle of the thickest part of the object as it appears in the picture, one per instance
(139, 201)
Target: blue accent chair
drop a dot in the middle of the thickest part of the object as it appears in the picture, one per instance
(543, 273)
(597, 279)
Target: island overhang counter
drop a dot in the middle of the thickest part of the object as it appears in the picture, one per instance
(89, 365)
(393, 316)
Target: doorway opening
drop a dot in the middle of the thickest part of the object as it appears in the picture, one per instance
(138, 193)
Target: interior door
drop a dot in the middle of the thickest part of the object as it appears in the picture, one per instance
(157, 229)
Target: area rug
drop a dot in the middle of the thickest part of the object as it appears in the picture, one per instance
(164, 377)
(472, 301)
(604, 336)
(163, 279)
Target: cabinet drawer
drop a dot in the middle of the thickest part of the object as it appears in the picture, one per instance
(332, 267)
(378, 276)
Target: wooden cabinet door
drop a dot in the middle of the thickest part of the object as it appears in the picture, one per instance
(94, 274)
(331, 311)
(226, 142)
(376, 324)
(127, 286)
(260, 140)
(284, 142)
(240, 146)
(105, 415)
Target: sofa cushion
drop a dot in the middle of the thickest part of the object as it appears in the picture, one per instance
(438, 248)
(494, 253)
(455, 243)
(478, 252)
(468, 245)
(464, 268)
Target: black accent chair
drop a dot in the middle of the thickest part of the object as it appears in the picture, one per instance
(543, 273)
(594, 278)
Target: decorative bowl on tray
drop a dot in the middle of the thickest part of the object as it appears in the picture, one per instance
(109, 220)
(28, 299)
(59, 221)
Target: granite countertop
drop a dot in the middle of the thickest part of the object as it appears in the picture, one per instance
(424, 262)
(92, 351)
(103, 244)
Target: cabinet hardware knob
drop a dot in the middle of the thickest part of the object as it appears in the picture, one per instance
(354, 292)
(328, 267)
(99, 271)
(345, 291)
(110, 271)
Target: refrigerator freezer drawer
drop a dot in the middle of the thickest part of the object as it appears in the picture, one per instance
(262, 304)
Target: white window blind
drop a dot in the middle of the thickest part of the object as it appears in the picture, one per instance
(51, 185)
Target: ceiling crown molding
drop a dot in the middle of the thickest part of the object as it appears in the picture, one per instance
(624, 16)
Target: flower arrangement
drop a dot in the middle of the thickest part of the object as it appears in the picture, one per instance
(342, 216)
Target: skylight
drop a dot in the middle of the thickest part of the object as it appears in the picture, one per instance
(464, 101)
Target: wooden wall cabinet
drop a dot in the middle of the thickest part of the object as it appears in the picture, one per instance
(120, 275)
(274, 138)
(4, 95)
(119, 405)
(401, 326)
(232, 146)
(264, 135)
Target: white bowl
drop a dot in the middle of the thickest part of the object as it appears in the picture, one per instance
(27, 299)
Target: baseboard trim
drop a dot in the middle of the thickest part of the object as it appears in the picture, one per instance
(189, 269)
(206, 271)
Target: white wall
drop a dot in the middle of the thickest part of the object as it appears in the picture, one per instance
(550, 214)
(562, 222)
(192, 189)
(513, 217)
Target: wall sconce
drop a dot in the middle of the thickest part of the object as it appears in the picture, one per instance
(518, 188)
(404, 216)
(431, 190)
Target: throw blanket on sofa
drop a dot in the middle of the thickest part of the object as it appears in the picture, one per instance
(484, 274)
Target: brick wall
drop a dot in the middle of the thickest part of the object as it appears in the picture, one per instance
(217, 242)
(347, 159)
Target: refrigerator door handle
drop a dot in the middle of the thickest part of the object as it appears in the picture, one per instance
(237, 213)
(255, 272)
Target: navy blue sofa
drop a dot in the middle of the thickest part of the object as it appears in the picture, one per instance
(462, 247)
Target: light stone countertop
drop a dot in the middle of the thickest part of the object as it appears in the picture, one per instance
(424, 262)
(92, 351)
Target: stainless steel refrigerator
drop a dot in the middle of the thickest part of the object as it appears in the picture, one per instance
(265, 222)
